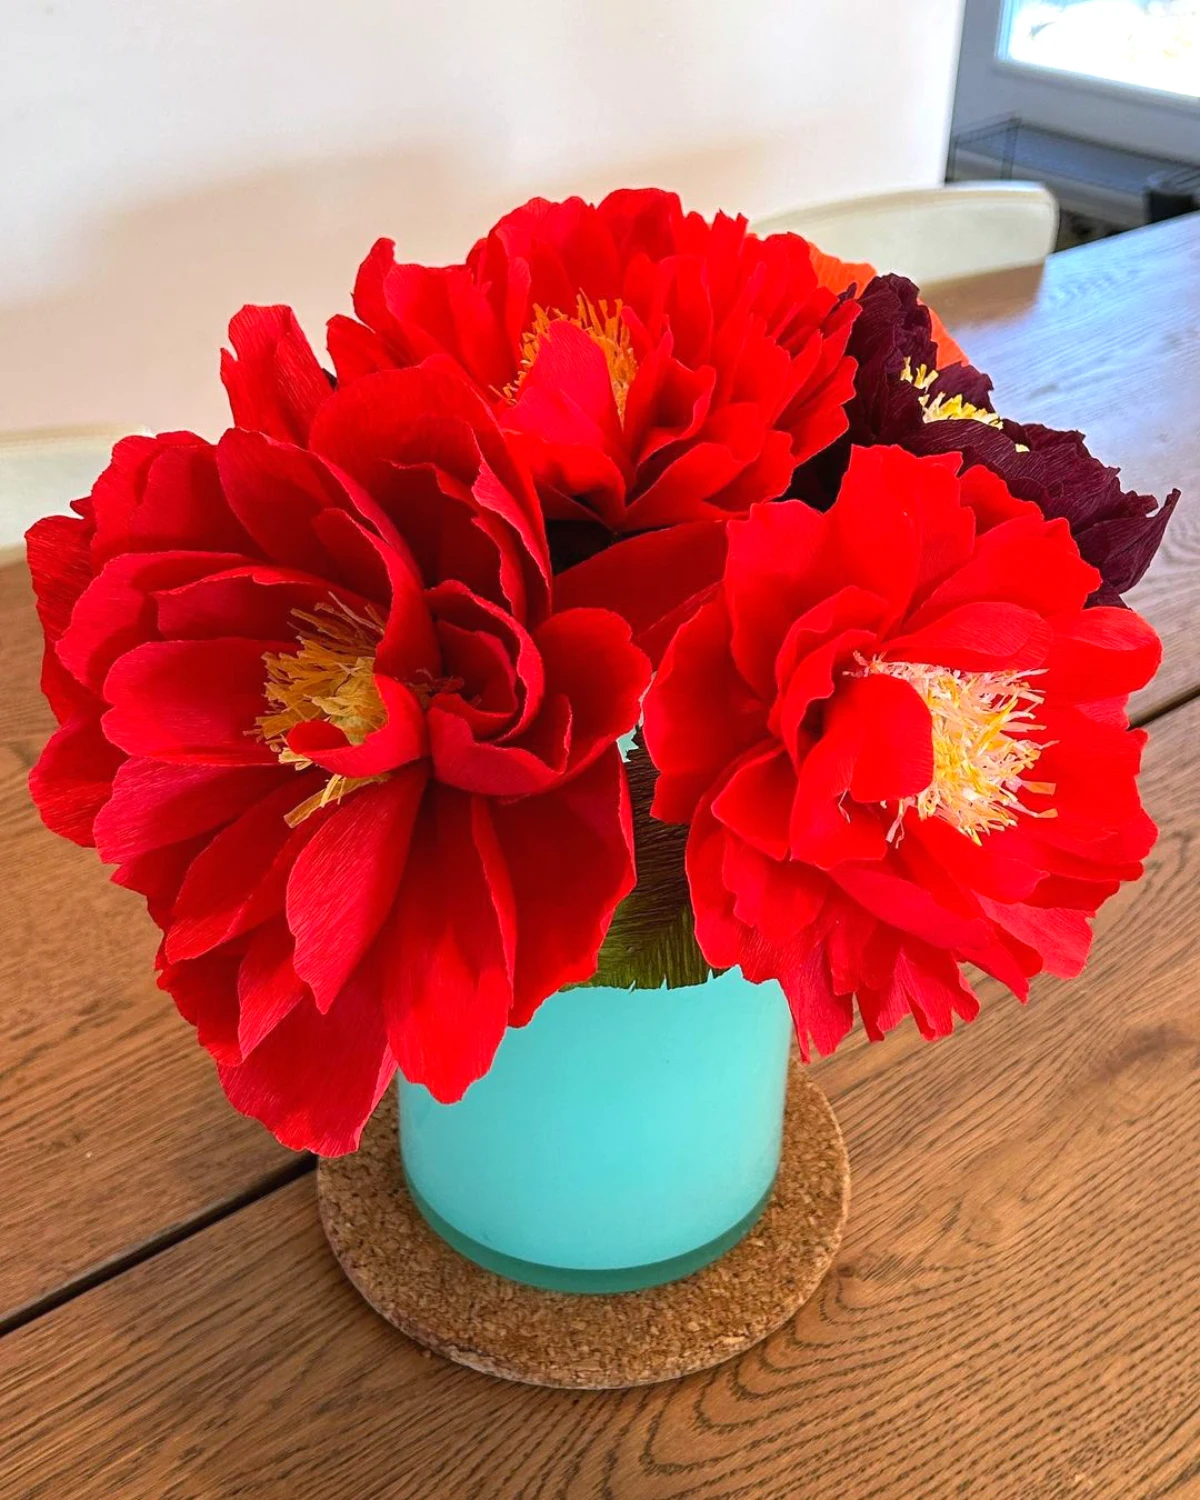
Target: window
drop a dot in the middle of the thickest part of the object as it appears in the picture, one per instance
(1151, 44)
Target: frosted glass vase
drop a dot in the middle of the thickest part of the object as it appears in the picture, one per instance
(624, 1138)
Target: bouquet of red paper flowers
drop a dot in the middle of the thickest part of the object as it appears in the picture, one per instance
(343, 694)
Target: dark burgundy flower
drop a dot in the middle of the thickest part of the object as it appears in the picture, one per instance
(855, 276)
(902, 397)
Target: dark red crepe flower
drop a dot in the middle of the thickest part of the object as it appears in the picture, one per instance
(660, 370)
(856, 276)
(906, 393)
(901, 743)
(316, 707)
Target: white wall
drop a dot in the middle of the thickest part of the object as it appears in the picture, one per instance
(163, 161)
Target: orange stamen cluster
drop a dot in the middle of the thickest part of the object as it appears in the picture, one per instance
(607, 330)
(331, 676)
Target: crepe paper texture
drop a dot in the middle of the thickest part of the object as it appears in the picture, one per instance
(340, 693)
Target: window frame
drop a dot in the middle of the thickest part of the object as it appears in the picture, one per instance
(1110, 87)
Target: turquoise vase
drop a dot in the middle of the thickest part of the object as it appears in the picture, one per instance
(624, 1138)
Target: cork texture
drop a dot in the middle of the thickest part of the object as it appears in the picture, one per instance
(469, 1315)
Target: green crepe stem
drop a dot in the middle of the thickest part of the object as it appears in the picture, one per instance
(652, 940)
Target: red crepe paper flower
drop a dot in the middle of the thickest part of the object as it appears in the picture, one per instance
(660, 370)
(901, 743)
(906, 394)
(316, 707)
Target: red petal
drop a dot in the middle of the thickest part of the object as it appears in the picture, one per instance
(566, 395)
(116, 612)
(344, 882)
(569, 853)
(154, 804)
(191, 701)
(645, 578)
(719, 933)
(994, 867)
(500, 770)
(773, 575)
(238, 880)
(61, 567)
(205, 994)
(256, 602)
(1026, 561)
(488, 698)
(990, 498)
(977, 638)
(756, 801)
(277, 491)
(908, 906)
(1100, 653)
(699, 715)
(777, 900)
(826, 830)
(666, 403)
(877, 746)
(887, 501)
(448, 991)
(895, 754)
(690, 487)
(316, 1079)
(822, 1016)
(454, 602)
(1060, 936)
(354, 350)
(158, 875)
(73, 779)
(934, 988)
(833, 637)
(429, 451)
(268, 987)
(180, 505)
(401, 739)
(273, 380)
(589, 659)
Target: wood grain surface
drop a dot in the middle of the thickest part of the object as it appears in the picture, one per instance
(113, 1129)
(1012, 1316)
(1106, 338)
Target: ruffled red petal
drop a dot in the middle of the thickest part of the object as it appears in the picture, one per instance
(272, 378)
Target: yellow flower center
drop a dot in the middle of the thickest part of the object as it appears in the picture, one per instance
(331, 676)
(981, 747)
(943, 408)
(605, 329)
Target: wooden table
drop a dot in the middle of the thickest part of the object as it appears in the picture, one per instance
(1015, 1312)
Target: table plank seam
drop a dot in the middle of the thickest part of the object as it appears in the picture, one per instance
(1169, 706)
(148, 1249)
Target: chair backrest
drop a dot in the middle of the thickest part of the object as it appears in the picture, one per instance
(43, 471)
(933, 234)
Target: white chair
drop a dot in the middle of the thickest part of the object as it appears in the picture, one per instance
(43, 471)
(933, 234)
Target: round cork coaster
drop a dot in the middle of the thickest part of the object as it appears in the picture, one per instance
(430, 1292)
